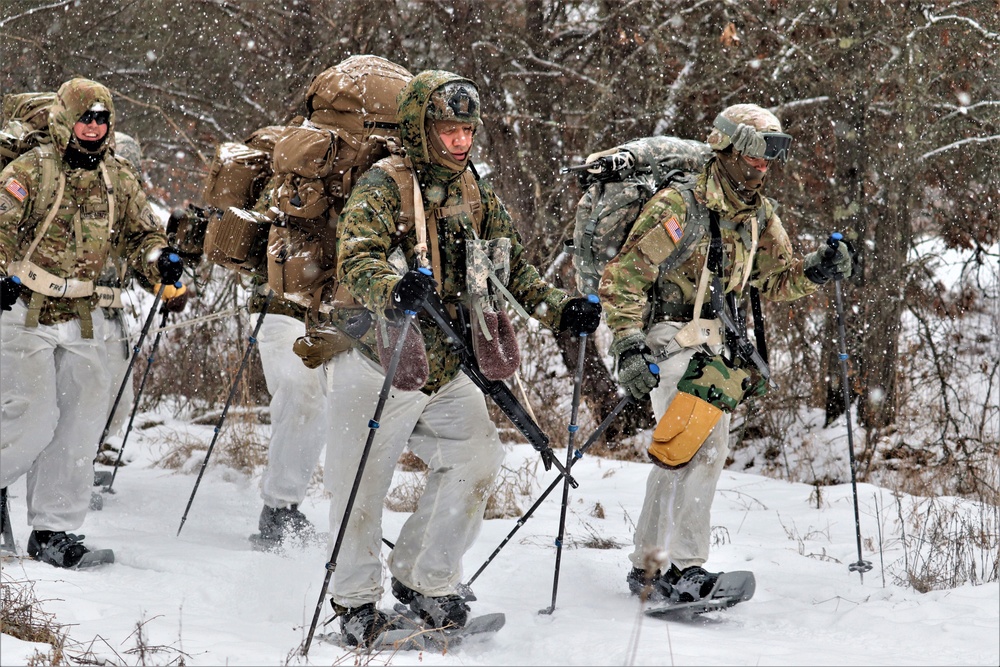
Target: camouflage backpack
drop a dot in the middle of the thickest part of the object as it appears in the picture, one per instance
(617, 183)
(285, 231)
(24, 125)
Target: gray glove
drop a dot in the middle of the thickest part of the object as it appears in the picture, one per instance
(637, 373)
(747, 141)
(828, 263)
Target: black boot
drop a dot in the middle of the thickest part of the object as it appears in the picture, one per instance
(277, 523)
(445, 611)
(362, 625)
(650, 588)
(63, 549)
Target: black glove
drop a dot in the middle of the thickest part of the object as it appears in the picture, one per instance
(10, 289)
(411, 290)
(170, 266)
(636, 371)
(581, 316)
(832, 262)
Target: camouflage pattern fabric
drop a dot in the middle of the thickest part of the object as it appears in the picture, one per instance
(457, 101)
(128, 148)
(633, 278)
(367, 235)
(714, 380)
(136, 235)
(756, 117)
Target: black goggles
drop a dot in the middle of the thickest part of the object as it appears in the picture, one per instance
(100, 117)
(776, 145)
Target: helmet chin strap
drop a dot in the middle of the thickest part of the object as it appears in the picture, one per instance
(746, 181)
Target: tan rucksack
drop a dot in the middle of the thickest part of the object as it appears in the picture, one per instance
(313, 164)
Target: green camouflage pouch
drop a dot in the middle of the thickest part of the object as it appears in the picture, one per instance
(717, 381)
(493, 339)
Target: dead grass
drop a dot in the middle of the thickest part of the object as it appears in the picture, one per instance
(22, 617)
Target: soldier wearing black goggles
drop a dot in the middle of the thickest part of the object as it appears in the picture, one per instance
(766, 145)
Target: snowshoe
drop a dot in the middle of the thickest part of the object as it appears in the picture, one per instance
(727, 590)
(66, 550)
(368, 628)
(445, 611)
(441, 640)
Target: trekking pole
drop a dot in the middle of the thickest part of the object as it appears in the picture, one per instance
(862, 565)
(131, 363)
(373, 426)
(577, 382)
(598, 432)
(252, 341)
(138, 395)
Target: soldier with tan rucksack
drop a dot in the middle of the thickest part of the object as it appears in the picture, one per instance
(277, 198)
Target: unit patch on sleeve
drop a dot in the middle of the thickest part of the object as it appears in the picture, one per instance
(15, 188)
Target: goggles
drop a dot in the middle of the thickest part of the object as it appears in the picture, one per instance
(102, 117)
(776, 144)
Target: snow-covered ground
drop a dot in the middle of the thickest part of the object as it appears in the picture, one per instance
(206, 598)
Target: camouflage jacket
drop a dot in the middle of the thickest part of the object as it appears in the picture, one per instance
(633, 286)
(80, 240)
(367, 234)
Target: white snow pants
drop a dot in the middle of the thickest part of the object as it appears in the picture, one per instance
(54, 388)
(452, 433)
(676, 512)
(299, 424)
(119, 351)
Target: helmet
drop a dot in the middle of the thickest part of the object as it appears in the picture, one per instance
(456, 101)
(127, 147)
(751, 130)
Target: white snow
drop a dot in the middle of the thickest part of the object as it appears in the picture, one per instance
(205, 598)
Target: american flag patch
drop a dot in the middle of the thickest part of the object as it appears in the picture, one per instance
(674, 228)
(16, 189)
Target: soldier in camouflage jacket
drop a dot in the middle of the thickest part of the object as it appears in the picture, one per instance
(650, 313)
(56, 388)
(446, 422)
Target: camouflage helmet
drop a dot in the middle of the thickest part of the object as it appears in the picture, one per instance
(456, 101)
(128, 148)
(763, 139)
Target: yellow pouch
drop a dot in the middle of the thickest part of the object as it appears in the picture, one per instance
(169, 292)
(683, 429)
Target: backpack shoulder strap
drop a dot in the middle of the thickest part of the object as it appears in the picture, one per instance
(398, 167)
(50, 192)
(472, 198)
(695, 227)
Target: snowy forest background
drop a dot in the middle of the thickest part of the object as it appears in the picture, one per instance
(895, 110)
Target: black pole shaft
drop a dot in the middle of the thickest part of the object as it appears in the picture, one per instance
(128, 370)
(138, 396)
(598, 432)
(252, 341)
(577, 382)
(862, 565)
(373, 425)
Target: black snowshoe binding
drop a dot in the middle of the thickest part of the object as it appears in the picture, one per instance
(361, 626)
(446, 611)
(279, 523)
(66, 550)
(691, 584)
